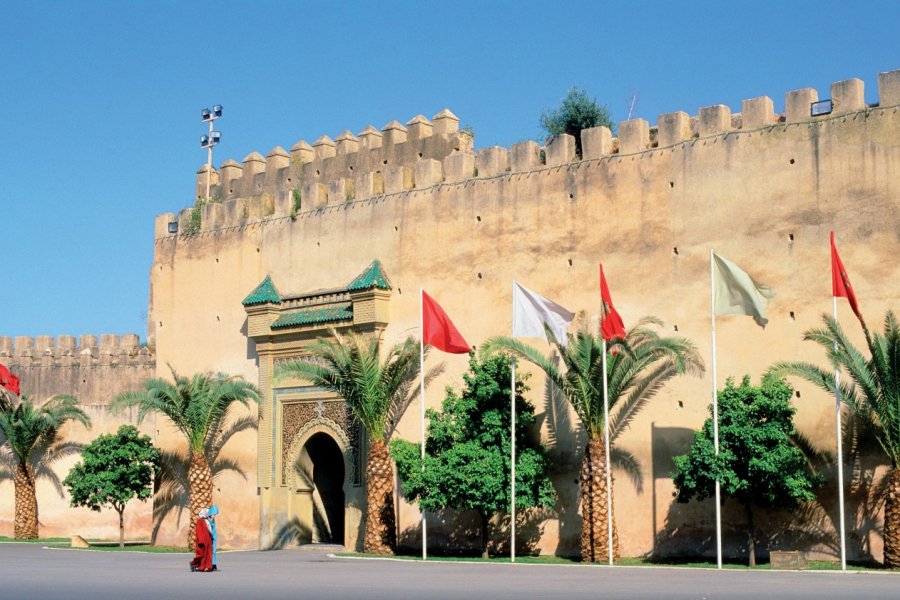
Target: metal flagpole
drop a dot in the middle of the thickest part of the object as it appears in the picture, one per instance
(609, 506)
(840, 451)
(422, 403)
(712, 314)
(512, 475)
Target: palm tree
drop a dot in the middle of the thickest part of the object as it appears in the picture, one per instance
(196, 405)
(873, 395)
(637, 368)
(349, 366)
(32, 437)
(172, 482)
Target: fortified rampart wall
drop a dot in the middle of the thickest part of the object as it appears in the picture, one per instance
(428, 153)
(762, 189)
(94, 370)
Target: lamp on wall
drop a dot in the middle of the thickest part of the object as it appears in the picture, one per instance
(822, 107)
(173, 226)
(211, 139)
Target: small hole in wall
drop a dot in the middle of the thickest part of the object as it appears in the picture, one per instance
(399, 291)
(258, 186)
(351, 167)
(571, 196)
(384, 162)
(420, 155)
(790, 237)
(793, 318)
(478, 218)
(675, 250)
(289, 179)
(217, 260)
(797, 393)
(570, 262)
(317, 172)
(396, 228)
(160, 267)
(257, 249)
(479, 276)
(675, 327)
(217, 318)
(231, 191)
(791, 161)
(317, 244)
(680, 404)
(160, 323)
(671, 184)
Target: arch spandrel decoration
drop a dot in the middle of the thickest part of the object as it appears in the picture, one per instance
(333, 416)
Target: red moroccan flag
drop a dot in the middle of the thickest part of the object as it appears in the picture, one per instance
(611, 325)
(840, 283)
(438, 330)
(8, 380)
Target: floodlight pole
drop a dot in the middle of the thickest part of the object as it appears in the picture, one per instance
(209, 157)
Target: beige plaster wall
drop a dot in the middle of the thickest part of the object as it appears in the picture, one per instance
(94, 371)
(765, 197)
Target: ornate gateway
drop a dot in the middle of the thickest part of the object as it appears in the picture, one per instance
(310, 445)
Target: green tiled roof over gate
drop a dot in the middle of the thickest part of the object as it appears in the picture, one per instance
(264, 293)
(372, 277)
(314, 315)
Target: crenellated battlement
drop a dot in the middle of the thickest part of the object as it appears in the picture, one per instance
(69, 350)
(426, 153)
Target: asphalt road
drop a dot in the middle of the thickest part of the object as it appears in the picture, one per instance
(29, 571)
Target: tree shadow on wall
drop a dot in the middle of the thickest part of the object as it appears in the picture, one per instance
(292, 533)
(816, 525)
(171, 482)
(458, 533)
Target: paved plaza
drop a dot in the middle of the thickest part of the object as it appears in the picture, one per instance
(33, 572)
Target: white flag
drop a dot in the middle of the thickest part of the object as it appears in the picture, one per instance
(736, 293)
(531, 312)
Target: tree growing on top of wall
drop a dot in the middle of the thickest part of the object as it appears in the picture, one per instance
(467, 451)
(115, 468)
(873, 395)
(197, 406)
(758, 464)
(637, 368)
(32, 444)
(578, 111)
(352, 367)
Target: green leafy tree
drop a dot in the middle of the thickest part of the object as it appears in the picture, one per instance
(578, 111)
(637, 369)
(197, 406)
(115, 468)
(467, 450)
(32, 433)
(758, 463)
(351, 366)
(872, 392)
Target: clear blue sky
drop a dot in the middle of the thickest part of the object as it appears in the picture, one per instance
(100, 102)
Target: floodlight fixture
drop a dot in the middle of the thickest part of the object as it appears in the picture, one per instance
(820, 108)
(211, 139)
(173, 226)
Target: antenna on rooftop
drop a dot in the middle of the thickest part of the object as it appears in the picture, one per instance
(634, 99)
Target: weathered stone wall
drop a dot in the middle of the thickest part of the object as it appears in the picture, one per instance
(761, 189)
(94, 370)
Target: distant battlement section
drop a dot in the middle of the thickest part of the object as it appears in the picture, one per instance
(67, 351)
(425, 154)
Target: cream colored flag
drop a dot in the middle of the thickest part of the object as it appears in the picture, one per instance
(736, 293)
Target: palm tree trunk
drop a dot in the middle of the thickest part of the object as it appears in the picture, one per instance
(594, 511)
(892, 521)
(26, 524)
(200, 491)
(381, 532)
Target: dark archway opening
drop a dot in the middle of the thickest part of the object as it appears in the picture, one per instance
(328, 478)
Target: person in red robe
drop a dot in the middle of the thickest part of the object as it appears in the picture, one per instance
(202, 560)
